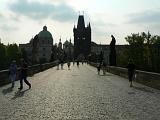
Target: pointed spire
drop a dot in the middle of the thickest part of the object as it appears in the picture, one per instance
(60, 39)
(89, 25)
(74, 28)
(81, 23)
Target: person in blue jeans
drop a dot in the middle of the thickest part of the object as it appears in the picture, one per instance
(13, 72)
(23, 74)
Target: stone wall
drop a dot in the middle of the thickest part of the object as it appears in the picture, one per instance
(4, 78)
(146, 78)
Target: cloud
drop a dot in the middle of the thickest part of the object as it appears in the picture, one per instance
(6, 27)
(1, 16)
(102, 28)
(64, 13)
(152, 16)
(37, 11)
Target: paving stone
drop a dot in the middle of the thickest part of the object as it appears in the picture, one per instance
(79, 93)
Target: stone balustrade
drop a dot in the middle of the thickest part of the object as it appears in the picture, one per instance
(4, 77)
(146, 78)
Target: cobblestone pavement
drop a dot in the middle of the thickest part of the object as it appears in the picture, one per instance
(79, 93)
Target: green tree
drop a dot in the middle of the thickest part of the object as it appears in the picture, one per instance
(9, 53)
(135, 52)
(13, 52)
(122, 58)
(3, 64)
(144, 50)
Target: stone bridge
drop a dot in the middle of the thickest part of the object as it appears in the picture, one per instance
(79, 94)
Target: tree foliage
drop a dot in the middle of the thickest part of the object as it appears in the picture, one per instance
(8, 53)
(144, 49)
(3, 56)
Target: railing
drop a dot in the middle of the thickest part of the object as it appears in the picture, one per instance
(4, 77)
(147, 78)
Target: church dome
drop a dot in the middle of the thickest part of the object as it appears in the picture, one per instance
(45, 33)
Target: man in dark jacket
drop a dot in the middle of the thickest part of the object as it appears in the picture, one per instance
(23, 74)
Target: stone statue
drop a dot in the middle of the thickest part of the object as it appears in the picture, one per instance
(112, 55)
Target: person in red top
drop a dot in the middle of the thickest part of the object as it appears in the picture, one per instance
(23, 74)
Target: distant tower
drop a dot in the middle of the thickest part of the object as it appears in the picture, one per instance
(82, 38)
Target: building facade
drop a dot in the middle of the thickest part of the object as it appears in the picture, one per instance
(68, 49)
(97, 48)
(82, 38)
(40, 47)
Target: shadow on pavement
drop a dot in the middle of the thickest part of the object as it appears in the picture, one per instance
(8, 90)
(19, 93)
(143, 89)
(105, 75)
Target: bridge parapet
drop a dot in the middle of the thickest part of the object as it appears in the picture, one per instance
(4, 78)
(146, 78)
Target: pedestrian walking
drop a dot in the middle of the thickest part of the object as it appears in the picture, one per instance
(98, 69)
(23, 74)
(104, 67)
(68, 64)
(61, 64)
(77, 63)
(58, 62)
(13, 72)
(131, 71)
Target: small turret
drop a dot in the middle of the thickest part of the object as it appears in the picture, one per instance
(89, 26)
(45, 28)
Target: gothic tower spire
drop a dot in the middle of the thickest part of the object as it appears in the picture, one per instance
(81, 23)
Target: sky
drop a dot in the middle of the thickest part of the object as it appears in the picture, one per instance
(20, 20)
